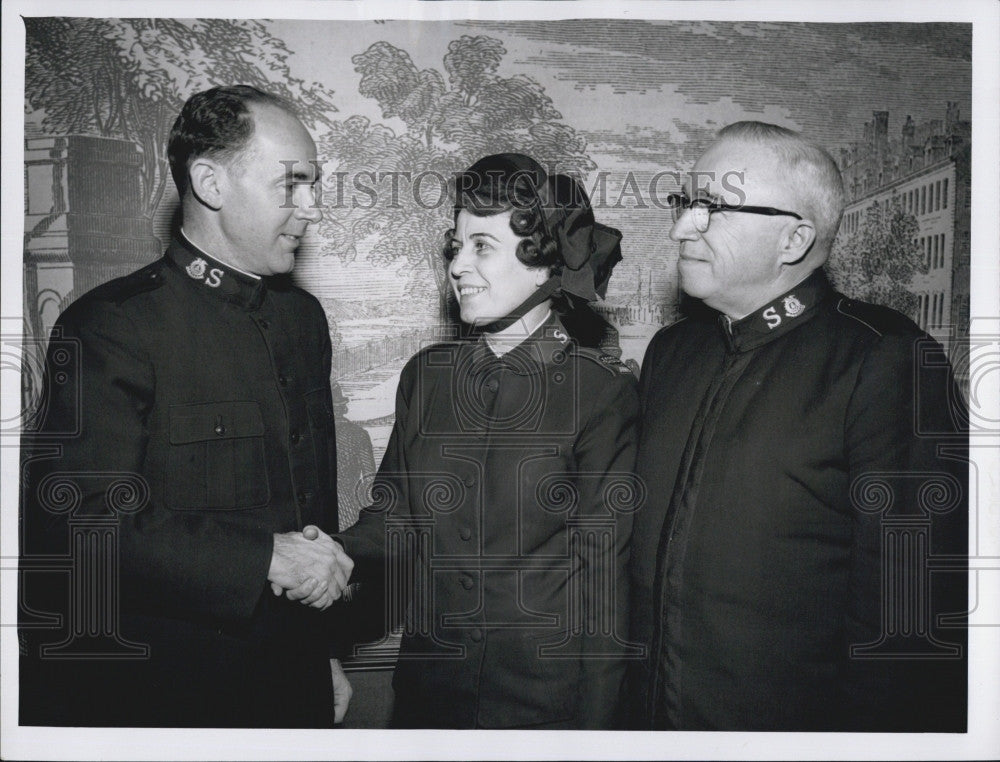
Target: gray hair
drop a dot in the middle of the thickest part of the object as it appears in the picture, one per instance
(812, 172)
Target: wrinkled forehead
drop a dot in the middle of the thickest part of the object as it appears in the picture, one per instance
(730, 171)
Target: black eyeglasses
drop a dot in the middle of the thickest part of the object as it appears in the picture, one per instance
(702, 208)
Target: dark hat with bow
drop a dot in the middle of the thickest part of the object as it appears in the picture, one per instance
(588, 251)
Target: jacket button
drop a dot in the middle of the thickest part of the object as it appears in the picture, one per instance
(296, 437)
(283, 380)
(468, 481)
(465, 534)
(493, 385)
(467, 582)
(220, 429)
(476, 635)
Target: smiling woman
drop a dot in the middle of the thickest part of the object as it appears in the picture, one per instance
(525, 242)
(507, 482)
(488, 279)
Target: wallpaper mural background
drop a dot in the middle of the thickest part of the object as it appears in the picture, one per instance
(396, 107)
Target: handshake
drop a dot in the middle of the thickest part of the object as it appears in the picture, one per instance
(309, 566)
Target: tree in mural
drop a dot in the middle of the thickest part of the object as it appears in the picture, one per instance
(128, 78)
(877, 262)
(450, 119)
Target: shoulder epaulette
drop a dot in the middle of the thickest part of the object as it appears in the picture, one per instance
(876, 318)
(615, 363)
(609, 362)
(141, 281)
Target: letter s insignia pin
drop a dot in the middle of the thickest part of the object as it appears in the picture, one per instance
(772, 317)
(793, 307)
(561, 336)
(214, 277)
(197, 268)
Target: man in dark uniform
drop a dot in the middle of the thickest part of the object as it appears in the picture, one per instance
(195, 432)
(804, 457)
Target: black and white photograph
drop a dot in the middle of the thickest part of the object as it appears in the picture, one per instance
(613, 380)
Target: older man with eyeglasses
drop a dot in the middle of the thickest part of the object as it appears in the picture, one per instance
(799, 562)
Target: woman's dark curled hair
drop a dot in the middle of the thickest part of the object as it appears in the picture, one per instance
(491, 187)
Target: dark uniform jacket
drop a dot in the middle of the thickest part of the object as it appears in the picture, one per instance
(508, 485)
(189, 406)
(797, 503)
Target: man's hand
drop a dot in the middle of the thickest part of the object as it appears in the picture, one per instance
(342, 691)
(313, 592)
(310, 566)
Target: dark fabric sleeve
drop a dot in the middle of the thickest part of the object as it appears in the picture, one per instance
(331, 511)
(343, 625)
(365, 541)
(906, 447)
(172, 564)
(642, 558)
(605, 454)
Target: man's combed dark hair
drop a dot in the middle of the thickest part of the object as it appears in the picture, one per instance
(216, 123)
(495, 190)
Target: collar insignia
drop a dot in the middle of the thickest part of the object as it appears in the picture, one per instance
(197, 268)
(793, 307)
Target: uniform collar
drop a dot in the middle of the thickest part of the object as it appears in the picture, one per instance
(779, 316)
(501, 345)
(549, 344)
(213, 277)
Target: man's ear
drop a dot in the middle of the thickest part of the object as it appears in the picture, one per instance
(796, 242)
(207, 180)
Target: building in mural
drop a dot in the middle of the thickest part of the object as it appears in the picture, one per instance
(925, 172)
(83, 222)
(83, 226)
